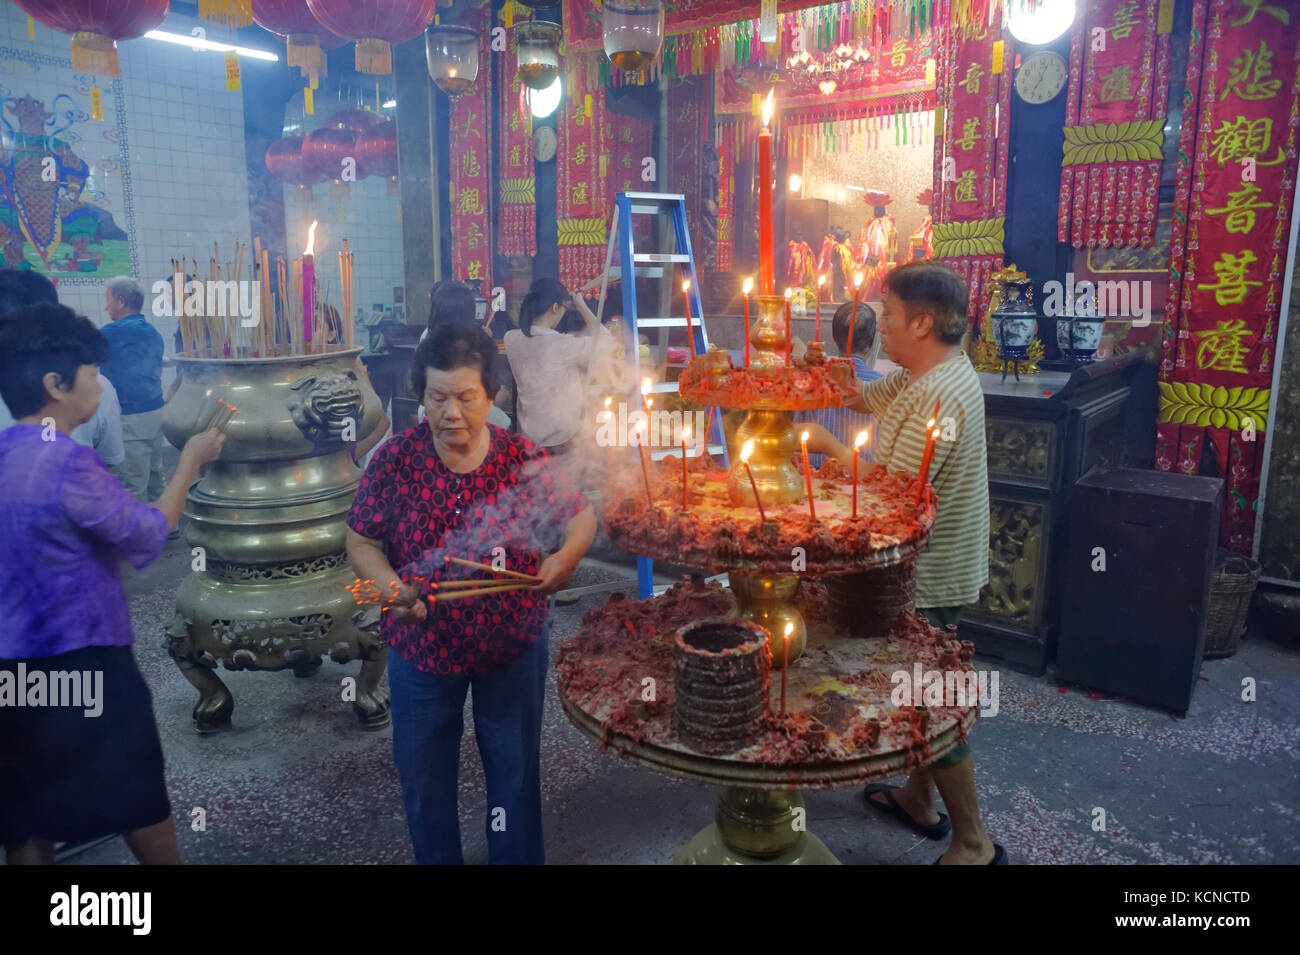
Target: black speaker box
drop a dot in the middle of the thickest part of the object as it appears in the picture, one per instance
(1137, 627)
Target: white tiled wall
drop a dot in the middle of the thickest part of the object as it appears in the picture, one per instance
(185, 145)
(369, 219)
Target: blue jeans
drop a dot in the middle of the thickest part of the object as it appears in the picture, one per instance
(427, 726)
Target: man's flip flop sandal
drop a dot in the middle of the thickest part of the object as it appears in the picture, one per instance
(999, 857)
(891, 808)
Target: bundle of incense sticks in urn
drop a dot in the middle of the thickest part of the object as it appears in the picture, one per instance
(219, 318)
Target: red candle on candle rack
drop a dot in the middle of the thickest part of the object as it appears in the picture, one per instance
(785, 664)
(748, 287)
(853, 315)
(766, 231)
(745, 452)
(308, 285)
(857, 446)
(645, 466)
(789, 343)
(690, 332)
(686, 436)
(807, 475)
(925, 463)
(817, 329)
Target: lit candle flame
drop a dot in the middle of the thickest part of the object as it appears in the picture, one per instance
(311, 239)
(860, 440)
(686, 285)
(686, 434)
(935, 434)
(821, 280)
(746, 451)
(789, 292)
(767, 106)
(646, 385)
(607, 401)
(804, 437)
(857, 279)
(749, 285)
(452, 73)
(789, 629)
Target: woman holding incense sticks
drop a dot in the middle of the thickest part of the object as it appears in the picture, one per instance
(455, 486)
(95, 768)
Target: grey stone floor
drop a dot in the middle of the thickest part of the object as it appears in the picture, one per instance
(296, 781)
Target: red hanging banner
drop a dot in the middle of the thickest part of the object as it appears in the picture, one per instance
(971, 156)
(517, 229)
(1114, 132)
(583, 197)
(1226, 275)
(471, 170)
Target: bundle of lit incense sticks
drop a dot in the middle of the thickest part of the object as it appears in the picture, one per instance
(368, 591)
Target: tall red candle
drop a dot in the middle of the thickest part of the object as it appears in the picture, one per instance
(785, 664)
(817, 329)
(745, 452)
(807, 475)
(690, 332)
(749, 287)
(686, 436)
(925, 464)
(853, 315)
(308, 285)
(857, 446)
(645, 467)
(766, 230)
(789, 343)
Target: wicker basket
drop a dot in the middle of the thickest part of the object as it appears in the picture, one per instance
(1230, 592)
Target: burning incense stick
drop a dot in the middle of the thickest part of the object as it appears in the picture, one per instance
(488, 567)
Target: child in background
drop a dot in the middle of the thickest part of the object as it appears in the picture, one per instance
(68, 524)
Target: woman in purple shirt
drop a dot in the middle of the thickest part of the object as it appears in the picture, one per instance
(79, 750)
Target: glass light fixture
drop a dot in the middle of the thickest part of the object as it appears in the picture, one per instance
(1041, 25)
(452, 55)
(539, 53)
(543, 103)
(633, 32)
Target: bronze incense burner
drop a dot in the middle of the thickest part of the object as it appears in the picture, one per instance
(266, 527)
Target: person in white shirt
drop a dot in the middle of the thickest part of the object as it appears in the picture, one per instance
(551, 369)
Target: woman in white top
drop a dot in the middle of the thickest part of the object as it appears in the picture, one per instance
(551, 369)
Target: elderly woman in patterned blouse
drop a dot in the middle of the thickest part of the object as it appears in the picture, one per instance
(454, 485)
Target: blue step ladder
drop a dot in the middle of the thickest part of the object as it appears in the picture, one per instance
(635, 265)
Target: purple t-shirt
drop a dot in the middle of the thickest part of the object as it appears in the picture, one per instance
(66, 524)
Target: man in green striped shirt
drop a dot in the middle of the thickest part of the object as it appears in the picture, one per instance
(921, 328)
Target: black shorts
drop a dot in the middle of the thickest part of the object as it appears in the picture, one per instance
(68, 777)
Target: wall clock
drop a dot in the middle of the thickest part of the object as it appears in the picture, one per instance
(1041, 77)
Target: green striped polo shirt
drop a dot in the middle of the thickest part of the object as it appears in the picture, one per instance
(956, 564)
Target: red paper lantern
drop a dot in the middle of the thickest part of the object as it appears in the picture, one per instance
(305, 40)
(377, 153)
(95, 25)
(324, 153)
(374, 24)
(357, 120)
(285, 161)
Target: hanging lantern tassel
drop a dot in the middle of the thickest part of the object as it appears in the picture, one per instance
(96, 104)
(374, 56)
(94, 53)
(227, 13)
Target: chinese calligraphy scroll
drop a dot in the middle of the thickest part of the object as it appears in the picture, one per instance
(583, 197)
(518, 222)
(1114, 127)
(970, 159)
(471, 171)
(1227, 260)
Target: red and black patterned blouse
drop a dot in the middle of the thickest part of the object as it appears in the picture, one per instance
(423, 511)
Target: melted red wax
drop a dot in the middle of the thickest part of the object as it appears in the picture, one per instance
(601, 669)
(794, 388)
(716, 533)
